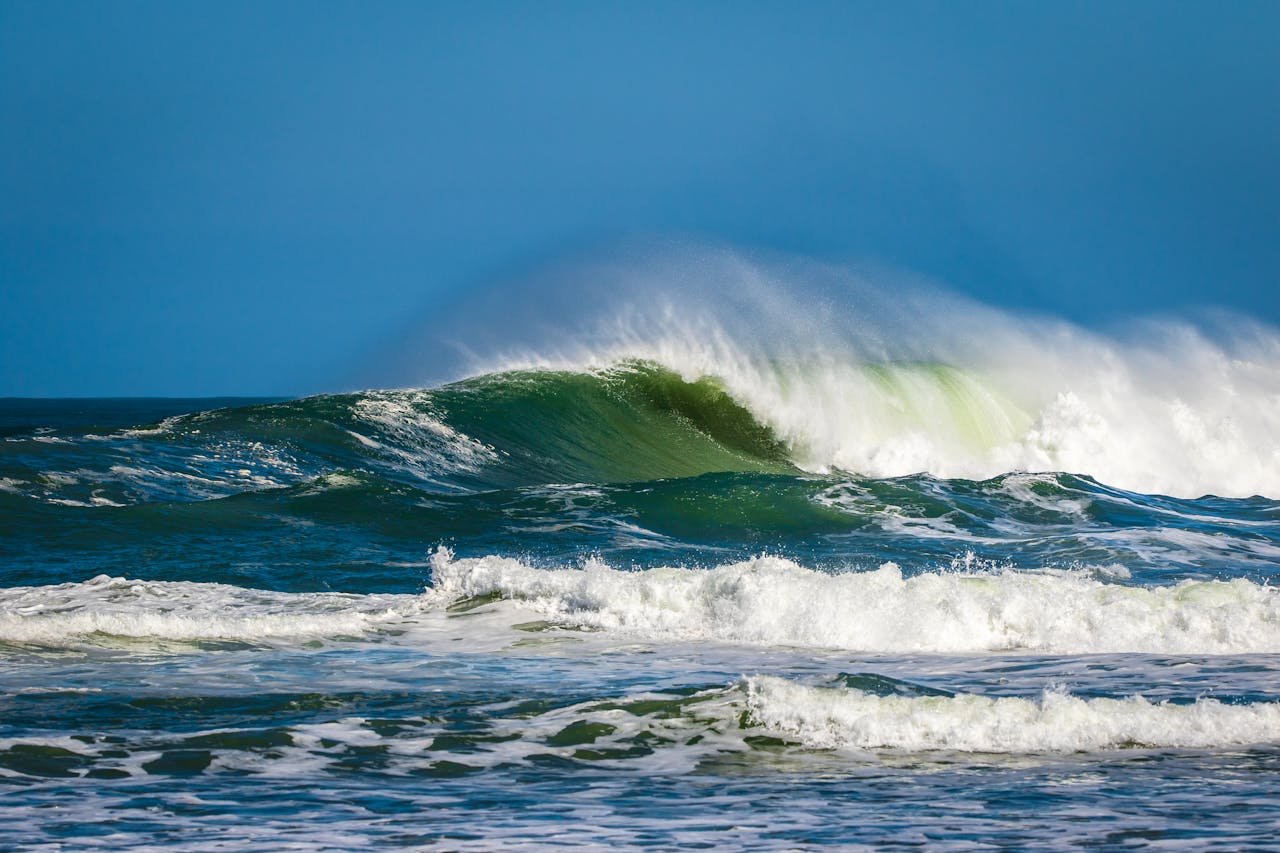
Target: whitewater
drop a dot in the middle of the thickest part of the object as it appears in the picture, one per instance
(697, 549)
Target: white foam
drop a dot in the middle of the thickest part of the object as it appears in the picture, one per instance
(223, 468)
(184, 612)
(766, 601)
(824, 717)
(421, 442)
(773, 601)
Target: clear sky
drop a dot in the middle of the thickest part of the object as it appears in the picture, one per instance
(253, 198)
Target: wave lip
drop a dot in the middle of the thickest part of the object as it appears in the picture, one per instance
(825, 718)
(773, 601)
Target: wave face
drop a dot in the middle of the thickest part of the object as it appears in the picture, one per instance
(732, 554)
(635, 421)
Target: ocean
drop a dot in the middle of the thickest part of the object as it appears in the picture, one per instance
(742, 603)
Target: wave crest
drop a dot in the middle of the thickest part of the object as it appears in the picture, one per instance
(774, 601)
(879, 375)
(827, 717)
(766, 601)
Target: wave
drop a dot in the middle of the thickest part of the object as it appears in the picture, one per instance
(877, 375)
(774, 601)
(831, 728)
(723, 364)
(766, 601)
(842, 718)
(1181, 417)
(109, 609)
(634, 421)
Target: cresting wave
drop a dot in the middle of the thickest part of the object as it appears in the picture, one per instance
(721, 363)
(1205, 423)
(883, 377)
(670, 415)
(633, 422)
(765, 601)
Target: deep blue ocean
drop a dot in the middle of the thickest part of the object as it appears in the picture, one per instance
(647, 602)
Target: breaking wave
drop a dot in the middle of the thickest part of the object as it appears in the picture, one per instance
(839, 717)
(774, 601)
(765, 601)
(882, 377)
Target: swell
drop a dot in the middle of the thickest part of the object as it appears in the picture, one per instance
(358, 531)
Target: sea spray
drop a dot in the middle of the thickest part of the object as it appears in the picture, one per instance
(875, 373)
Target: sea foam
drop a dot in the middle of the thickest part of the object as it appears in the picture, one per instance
(774, 601)
(827, 717)
(766, 601)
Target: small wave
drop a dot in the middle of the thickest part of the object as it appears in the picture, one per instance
(827, 717)
(179, 611)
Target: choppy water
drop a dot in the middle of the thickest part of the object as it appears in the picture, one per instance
(630, 605)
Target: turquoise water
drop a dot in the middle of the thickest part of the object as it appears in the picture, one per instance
(616, 607)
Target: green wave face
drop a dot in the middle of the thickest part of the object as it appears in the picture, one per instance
(637, 421)
(633, 422)
(640, 421)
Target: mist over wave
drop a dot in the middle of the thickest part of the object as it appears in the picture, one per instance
(877, 374)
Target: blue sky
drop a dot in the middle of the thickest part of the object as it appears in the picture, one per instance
(242, 198)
